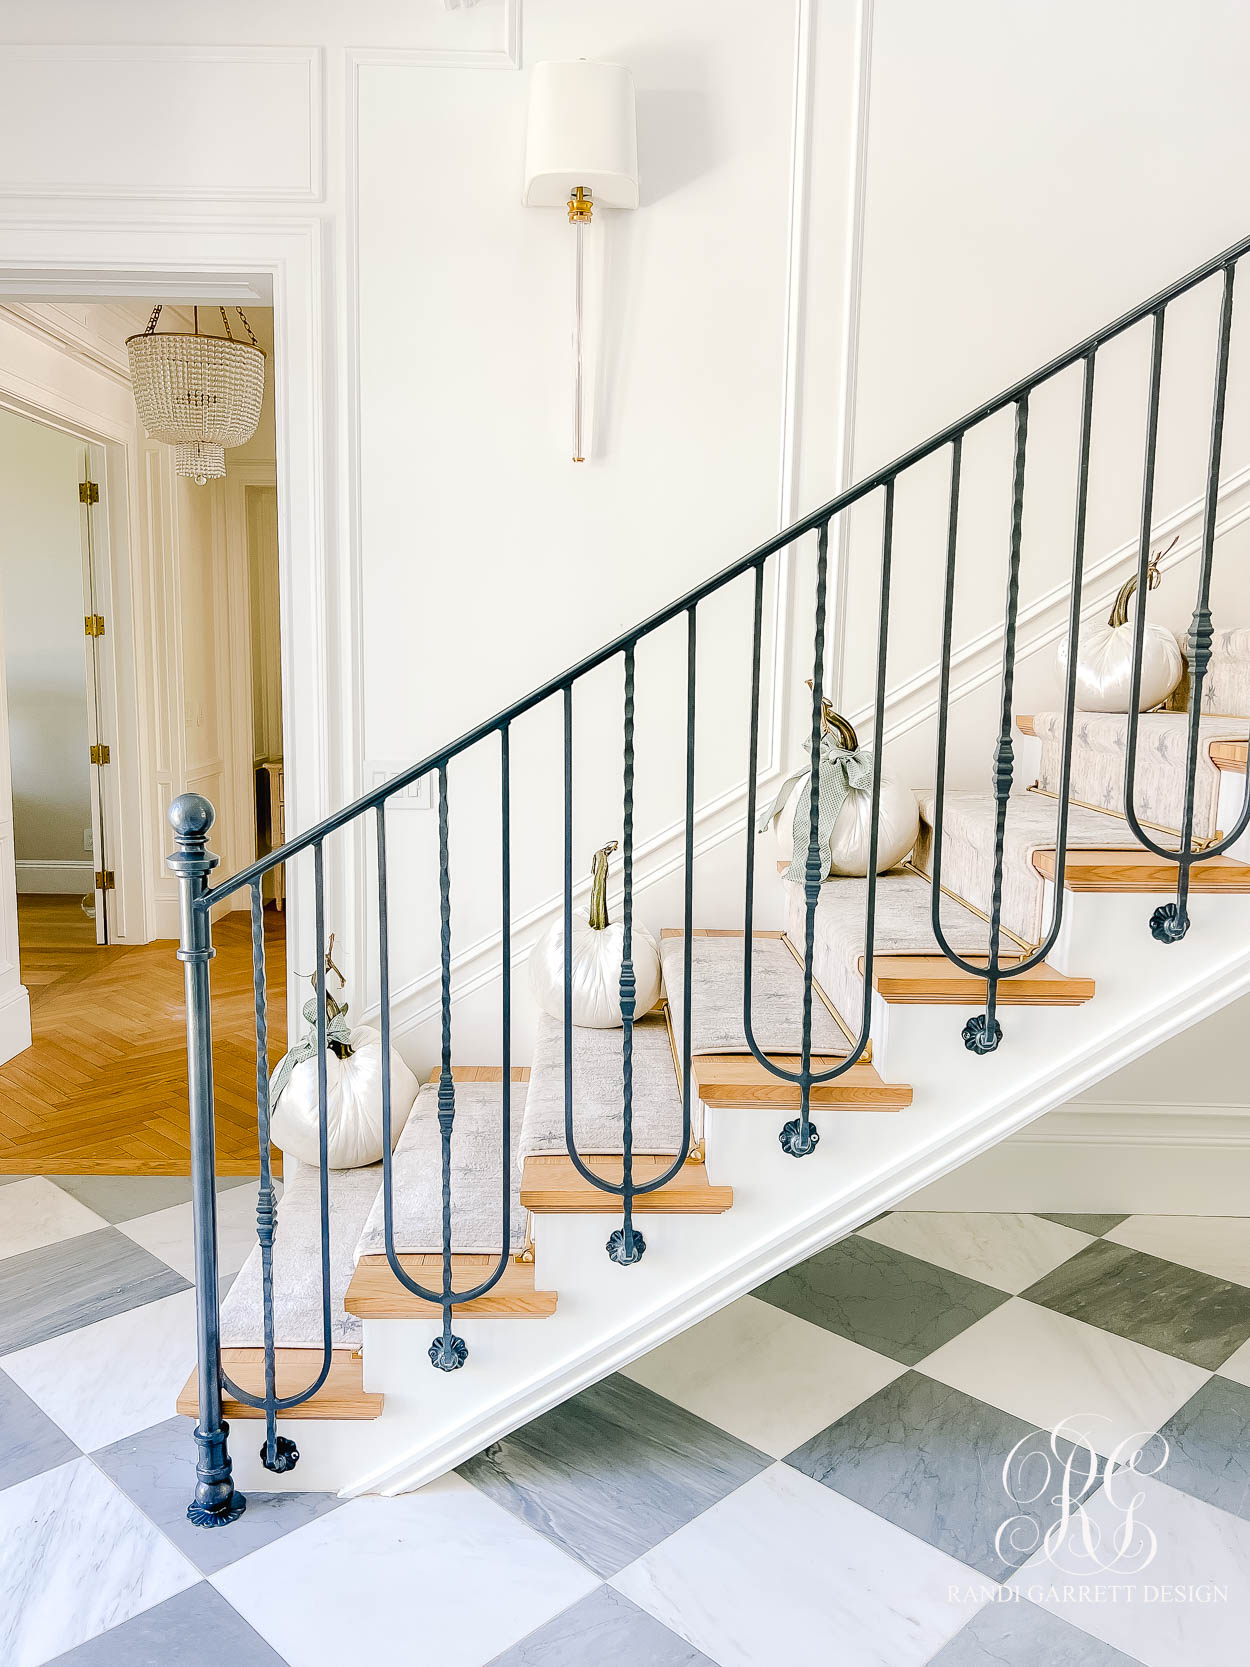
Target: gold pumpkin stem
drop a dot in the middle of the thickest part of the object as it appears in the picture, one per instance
(1119, 608)
(832, 722)
(599, 886)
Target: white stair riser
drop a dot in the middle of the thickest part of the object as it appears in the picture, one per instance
(1106, 937)
(1028, 758)
(1232, 796)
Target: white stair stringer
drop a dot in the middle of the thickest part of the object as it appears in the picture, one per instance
(784, 1208)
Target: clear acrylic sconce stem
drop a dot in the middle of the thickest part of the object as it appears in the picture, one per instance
(579, 232)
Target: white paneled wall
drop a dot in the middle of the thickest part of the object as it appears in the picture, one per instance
(858, 218)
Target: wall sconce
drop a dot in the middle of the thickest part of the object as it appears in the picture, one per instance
(581, 153)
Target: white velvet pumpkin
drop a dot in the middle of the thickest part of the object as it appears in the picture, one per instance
(851, 840)
(596, 960)
(1104, 658)
(1104, 668)
(353, 1105)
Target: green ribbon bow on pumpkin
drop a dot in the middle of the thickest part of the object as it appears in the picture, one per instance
(338, 1036)
(841, 772)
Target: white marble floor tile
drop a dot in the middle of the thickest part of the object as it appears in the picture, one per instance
(167, 1233)
(766, 1376)
(1218, 1245)
(76, 1557)
(1186, 1601)
(1046, 1367)
(785, 1570)
(1007, 1251)
(441, 1575)
(36, 1212)
(107, 1380)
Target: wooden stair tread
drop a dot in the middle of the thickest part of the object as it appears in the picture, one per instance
(1140, 870)
(1230, 755)
(734, 1079)
(375, 1293)
(342, 1396)
(738, 1079)
(482, 1073)
(550, 1185)
(934, 979)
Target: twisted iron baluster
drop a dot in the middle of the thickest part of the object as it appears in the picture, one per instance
(447, 1352)
(278, 1453)
(285, 1453)
(625, 1245)
(627, 1189)
(1170, 921)
(388, 1192)
(1143, 566)
(817, 1078)
(1051, 934)
(801, 1136)
(983, 1033)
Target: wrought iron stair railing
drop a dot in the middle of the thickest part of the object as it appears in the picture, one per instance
(216, 1501)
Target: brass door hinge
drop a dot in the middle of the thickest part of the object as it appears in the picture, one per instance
(88, 492)
(100, 753)
(104, 879)
(93, 624)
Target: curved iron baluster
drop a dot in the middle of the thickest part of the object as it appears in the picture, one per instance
(687, 915)
(626, 1244)
(1170, 921)
(983, 1033)
(279, 1453)
(447, 1352)
(1051, 934)
(805, 1074)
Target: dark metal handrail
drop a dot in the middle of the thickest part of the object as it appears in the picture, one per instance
(191, 818)
(779, 541)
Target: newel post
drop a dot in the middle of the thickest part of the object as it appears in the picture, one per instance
(191, 817)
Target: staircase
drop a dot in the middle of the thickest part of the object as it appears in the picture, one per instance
(537, 1226)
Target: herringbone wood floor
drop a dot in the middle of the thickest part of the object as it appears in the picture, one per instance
(103, 1091)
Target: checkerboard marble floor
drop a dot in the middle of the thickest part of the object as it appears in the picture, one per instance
(814, 1475)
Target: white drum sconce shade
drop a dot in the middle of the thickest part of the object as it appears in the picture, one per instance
(583, 131)
(581, 151)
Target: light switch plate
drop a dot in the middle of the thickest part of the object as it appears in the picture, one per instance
(418, 796)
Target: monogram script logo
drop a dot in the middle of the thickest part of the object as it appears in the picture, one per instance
(1053, 1477)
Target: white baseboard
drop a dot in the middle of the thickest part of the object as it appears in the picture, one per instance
(72, 879)
(14, 1023)
(1108, 1158)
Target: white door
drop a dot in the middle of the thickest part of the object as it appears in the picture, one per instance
(14, 1002)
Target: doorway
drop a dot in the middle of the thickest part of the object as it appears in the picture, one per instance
(98, 1083)
(55, 668)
